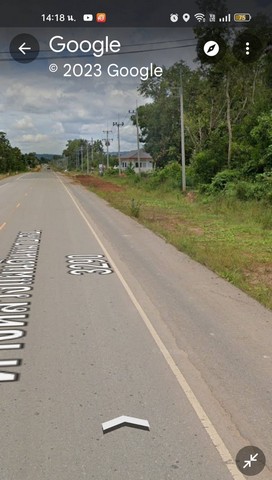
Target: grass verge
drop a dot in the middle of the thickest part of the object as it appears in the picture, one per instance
(232, 238)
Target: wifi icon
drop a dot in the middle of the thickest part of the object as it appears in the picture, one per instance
(200, 17)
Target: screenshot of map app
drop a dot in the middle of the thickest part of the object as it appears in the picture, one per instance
(136, 240)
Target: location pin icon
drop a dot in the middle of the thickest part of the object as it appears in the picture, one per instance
(186, 17)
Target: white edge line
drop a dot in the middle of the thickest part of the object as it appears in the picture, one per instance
(200, 412)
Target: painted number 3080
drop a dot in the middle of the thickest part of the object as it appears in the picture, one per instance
(78, 70)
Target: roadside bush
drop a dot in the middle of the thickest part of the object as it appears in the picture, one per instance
(244, 190)
(190, 178)
(267, 158)
(241, 153)
(205, 166)
(269, 198)
(136, 179)
(230, 190)
(135, 206)
(145, 174)
(130, 170)
(251, 168)
(112, 171)
(171, 171)
(169, 177)
(221, 179)
(263, 187)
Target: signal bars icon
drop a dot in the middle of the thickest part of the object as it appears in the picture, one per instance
(226, 18)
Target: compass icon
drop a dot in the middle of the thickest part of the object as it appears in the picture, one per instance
(211, 48)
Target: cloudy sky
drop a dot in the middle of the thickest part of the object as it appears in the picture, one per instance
(40, 110)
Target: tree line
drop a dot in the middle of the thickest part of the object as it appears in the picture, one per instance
(12, 159)
(80, 153)
(227, 110)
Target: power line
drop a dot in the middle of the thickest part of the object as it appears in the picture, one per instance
(126, 117)
(70, 57)
(130, 44)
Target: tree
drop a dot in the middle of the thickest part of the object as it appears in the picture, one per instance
(226, 104)
(11, 159)
(31, 160)
(159, 121)
(76, 151)
(5, 148)
(239, 92)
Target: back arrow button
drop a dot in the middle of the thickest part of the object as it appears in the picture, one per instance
(24, 48)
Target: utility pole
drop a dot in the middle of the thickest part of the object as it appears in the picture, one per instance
(92, 143)
(118, 125)
(81, 157)
(87, 159)
(182, 142)
(107, 143)
(137, 130)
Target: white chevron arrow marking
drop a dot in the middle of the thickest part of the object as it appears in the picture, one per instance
(125, 421)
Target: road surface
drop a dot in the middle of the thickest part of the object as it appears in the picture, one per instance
(117, 322)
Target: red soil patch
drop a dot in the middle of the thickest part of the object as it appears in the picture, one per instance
(97, 182)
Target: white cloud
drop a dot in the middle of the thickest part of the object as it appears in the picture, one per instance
(48, 109)
(57, 128)
(38, 137)
(24, 123)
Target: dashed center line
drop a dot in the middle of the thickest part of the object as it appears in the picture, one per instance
(3, 225)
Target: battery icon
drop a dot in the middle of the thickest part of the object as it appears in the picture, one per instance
(242, 17)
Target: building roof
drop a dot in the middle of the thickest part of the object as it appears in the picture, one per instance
(133, 155)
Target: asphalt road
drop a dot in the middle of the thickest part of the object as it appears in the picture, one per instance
(148, 334)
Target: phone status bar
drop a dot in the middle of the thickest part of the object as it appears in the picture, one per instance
(104, 14)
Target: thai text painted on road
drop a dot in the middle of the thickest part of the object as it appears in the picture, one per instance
(17, 275)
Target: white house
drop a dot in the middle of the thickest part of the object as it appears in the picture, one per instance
(130, 159)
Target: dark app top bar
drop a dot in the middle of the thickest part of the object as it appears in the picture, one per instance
(121, 13)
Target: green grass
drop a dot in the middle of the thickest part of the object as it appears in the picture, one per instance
(231, 237)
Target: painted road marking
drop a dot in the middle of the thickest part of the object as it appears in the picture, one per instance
(9, 363)
(88, 263)
(17, 276)
(7, 376)
(18, 205)
(199, 410)
(125, 421)
(3, 225)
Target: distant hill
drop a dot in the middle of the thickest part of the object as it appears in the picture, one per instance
(48, 156)
(115, 154)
